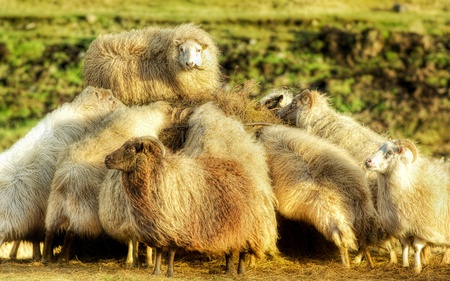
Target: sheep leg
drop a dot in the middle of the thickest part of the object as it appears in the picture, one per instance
(252, 262)
(418, 246)
(158, 258)
(149, 255)
(392, 253)
(446, 257)
(358, 258)
(14, 249)
(65, 250)
(368, 257)
(405, 251)
(229, 265)
(36, 251)
(48, 246)
(425, 254)
(133, 249)
(344, 256)
(241, 263)
(172, 251)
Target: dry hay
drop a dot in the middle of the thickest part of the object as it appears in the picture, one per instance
(212, 268)
(235, 102)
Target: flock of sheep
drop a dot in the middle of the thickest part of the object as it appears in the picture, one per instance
(101, 164)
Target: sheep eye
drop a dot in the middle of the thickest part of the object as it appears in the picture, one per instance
(199, 50)
(389, 153)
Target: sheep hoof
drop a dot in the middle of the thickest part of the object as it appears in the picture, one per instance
(357, 260)
(417, 269)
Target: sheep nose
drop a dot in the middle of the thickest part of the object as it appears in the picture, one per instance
(190, 64)
(107, 158)
(368, 162)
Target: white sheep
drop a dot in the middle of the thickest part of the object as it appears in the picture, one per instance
(154, 63)
(276, 98)
(73, 203)
(211, 132)
(27, 168)
(413, 197)
(205, 204)
(311, 111)
(318, 182)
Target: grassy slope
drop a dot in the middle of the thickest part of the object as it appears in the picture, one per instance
(33, 25)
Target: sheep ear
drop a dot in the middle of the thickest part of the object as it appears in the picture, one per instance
(139, 146)
(177, 42)
(406, 155)
(306, 97)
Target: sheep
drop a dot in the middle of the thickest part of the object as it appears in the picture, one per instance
(320, 183)
(203, 203)
(413, 197)
(277, 98)
(153, 63)
(211, 132)
(310, 110)
(27, 168)
(114, 216)
(73, 203)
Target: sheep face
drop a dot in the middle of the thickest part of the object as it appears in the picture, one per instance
(387, 156)
(277, 98)
(302, 102)
(190, 54)
(128, 156)
(106, 95)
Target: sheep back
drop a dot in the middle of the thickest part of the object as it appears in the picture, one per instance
(142, 66)
(320, 183)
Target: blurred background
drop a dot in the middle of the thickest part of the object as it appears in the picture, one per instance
(385, 62)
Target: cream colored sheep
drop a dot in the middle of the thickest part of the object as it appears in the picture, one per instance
(413, 197)
(311, 111)
(27, 168)
(154, 63)
(319, 183)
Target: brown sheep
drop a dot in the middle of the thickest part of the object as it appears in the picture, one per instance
(151, 64)
(193, 203)
(73, 203)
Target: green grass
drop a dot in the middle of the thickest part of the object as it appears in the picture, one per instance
(277, 43)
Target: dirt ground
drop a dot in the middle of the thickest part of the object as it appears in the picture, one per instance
(193, 267)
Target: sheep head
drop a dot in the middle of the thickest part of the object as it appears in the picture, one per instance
(130, 154)
(389, 153)
(305, 100)
(277, 98)
(190, 54)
